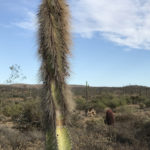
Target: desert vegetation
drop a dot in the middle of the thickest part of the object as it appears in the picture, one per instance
(21, 126)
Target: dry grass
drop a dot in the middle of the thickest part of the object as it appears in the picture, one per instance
(92, 133)
(130, 132)
(12, 139)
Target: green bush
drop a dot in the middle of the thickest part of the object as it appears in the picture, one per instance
(147, 102)
(12, 110)
(31, 114)
(97, 126)
(24, 112)
(99, 103)
(142, 105)
(81, 103)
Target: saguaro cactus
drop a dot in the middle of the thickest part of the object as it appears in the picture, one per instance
(54, 44)
(87, 91)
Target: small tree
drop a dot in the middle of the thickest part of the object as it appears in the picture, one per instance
(16, 74)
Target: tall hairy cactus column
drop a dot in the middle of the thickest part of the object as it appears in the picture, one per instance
(54, 44)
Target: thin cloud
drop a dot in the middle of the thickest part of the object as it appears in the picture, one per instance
(125, 22)
(29, 23)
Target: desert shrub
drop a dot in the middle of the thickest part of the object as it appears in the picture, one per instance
(136, 146)
(147, 102)
(127, 116)
(13, 139)
(26, 113)
(100, 106)
(144, 131)
(99, 103)
(87, 138)
(80, 103)
(2, 118)
(136, 99)
(35, 135)
(75, 120)
(114, 103)
(123, 100)
(96, 126)
(30, 115)
(12, 110)
(142, 105)
(124, 138)
(127, 109)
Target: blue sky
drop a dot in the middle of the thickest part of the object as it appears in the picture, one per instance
(111, 41)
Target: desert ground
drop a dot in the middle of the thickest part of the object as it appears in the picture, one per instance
(21, 118)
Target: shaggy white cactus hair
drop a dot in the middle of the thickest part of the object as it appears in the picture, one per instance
(54, 45)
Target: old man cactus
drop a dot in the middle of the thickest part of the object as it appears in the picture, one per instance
(54, 44)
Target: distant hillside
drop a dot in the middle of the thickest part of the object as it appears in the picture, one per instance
(21, 85)
(130, 90)
(79, 90)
